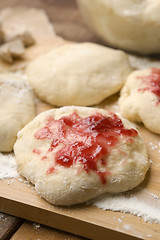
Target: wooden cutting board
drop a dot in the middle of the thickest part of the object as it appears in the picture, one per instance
(20, 199)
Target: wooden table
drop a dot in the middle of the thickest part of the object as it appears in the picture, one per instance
(17, 229)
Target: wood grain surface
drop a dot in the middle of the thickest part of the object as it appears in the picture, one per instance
(8, 225)
(20, 199)
(34, 231)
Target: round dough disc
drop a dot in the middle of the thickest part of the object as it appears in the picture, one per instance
(131, 24)
(73, 154)
(78, 74)
(140, 98)
(17, 108)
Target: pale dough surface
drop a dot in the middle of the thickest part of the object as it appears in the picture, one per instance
(140, 105)
(78, 74)
(130, 24)
(128, 163)
(17, 108)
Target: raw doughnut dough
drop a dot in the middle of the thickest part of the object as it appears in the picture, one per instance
(78, 74)
(17, 108)
(130, 24)
(140, 98)
(69, 162)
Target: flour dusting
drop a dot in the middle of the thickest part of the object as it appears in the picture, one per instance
(17, 88)
(140, 203)
(8, 166)
(140, 62)
(127, 227)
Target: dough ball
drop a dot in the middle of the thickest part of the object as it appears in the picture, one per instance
(131, 25)
(140, 98)
(73, 154)
(17, 108)
(78, 74)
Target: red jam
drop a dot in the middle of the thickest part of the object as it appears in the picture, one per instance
(86, 141)
(152, 82)
(50, 170)
(38, 151)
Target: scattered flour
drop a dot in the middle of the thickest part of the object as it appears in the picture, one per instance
(149, 235)
(155, 196)
(8, 166)
(141, 203)
(127, 227)
(3, 217)
(36, 225)
(119, 220)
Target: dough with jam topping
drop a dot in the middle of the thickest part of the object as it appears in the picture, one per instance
(78, 74)
(17, 108)
(74, 154)
(140, 98)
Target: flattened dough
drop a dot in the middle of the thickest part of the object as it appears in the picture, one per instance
(78, 74)
(130, 24)
(17, 108)
(140, 98)
(64, 172)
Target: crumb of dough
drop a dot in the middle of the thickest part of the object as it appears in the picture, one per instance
(16, 48)
(21, 34)
(11, 50)
(5, 53)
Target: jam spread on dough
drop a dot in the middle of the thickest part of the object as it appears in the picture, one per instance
(86, 141)
(152, 82)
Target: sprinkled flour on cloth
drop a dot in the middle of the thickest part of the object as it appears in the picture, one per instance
(8, 166)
